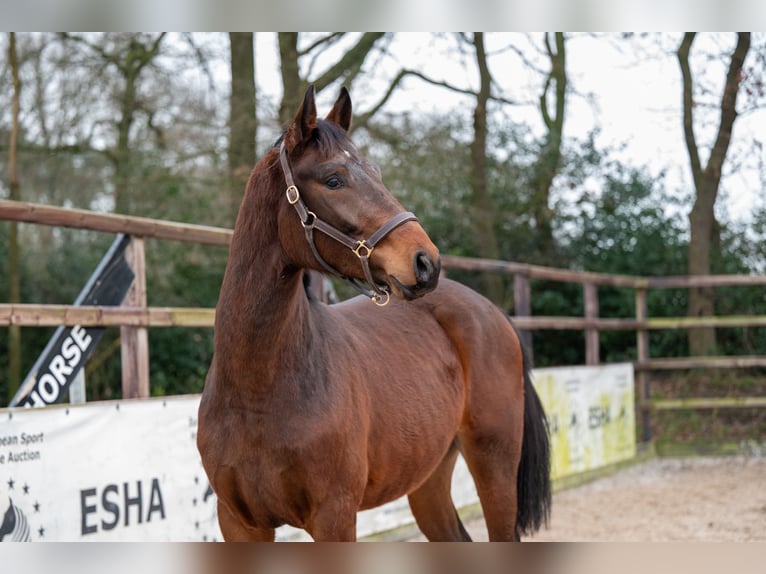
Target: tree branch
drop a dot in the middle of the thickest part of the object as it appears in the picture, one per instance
(91, 46)
(363, 119)
(558, 71)
(329, 39)
(454, 88)
(688, 107)
(350, 64)
(728, 106)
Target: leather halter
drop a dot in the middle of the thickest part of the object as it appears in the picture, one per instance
(362, 248)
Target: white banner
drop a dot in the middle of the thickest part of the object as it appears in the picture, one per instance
(130, 470)
(126, 470)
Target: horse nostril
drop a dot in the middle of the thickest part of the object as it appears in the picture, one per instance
(424, 268)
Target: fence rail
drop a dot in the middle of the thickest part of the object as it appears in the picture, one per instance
(598, 279)
(135, 316)
(30, 315)
(33, 315)
(129, 225)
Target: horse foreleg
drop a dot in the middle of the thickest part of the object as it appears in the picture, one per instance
(334, 522)
(234, 530)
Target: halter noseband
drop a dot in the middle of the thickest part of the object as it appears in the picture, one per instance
(362, 248)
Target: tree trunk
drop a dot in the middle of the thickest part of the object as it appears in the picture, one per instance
(550, 155)
(131, 65)
(483, 211)
(121, 156)
(292, 84)
(703, 225)
(14, 272)
(242, 117)
(346, 69)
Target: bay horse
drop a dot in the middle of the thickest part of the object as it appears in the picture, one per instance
(312, 412)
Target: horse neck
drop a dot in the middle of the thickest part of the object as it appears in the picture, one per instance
(263, 311)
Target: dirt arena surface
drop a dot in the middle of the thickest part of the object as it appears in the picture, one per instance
(663, 499)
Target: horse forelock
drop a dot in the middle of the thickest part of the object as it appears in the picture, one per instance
(331, 138)
(328, 138)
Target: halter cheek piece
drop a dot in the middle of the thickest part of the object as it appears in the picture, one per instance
(362, 248)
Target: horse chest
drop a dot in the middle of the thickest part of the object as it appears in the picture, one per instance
(274, 474)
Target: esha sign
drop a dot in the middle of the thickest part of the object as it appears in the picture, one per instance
(130, 470)
(126, 470)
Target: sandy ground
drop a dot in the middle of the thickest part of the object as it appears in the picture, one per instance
(668, 499)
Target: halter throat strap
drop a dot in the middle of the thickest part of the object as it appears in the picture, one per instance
(362, 248)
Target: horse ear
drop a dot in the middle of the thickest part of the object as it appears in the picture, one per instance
(304, 122)
(341, 110)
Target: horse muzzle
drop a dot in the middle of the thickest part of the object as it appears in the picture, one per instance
(426, 270)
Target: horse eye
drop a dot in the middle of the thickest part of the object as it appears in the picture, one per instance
(335, 182)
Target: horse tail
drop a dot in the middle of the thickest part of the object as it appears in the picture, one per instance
(533, 483)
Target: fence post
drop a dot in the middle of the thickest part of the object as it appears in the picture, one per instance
(642, 355)
(522, 305)
(135, 340)
(590, 294)
(77, 393)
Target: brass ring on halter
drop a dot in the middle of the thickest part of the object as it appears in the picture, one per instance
(362, 244)
(378, 299)
(293, 189)
(310, 219)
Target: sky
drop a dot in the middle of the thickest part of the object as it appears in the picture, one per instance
(402, 15)
(635, 101)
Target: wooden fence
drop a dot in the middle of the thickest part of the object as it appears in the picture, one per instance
(134, 317)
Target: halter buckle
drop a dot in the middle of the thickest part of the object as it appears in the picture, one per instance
(360, 245)
(296, 198)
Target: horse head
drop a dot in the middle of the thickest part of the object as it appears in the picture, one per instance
(365, 235)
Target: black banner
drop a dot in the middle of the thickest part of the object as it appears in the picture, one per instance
(69, 348)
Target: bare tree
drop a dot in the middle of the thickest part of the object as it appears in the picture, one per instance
(242, 116)
(707, 179)
(129, 59)
(483, 216)
(549, 161)
(14, 279)
(346, 69)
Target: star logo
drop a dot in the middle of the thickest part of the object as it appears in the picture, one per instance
(22, 508)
